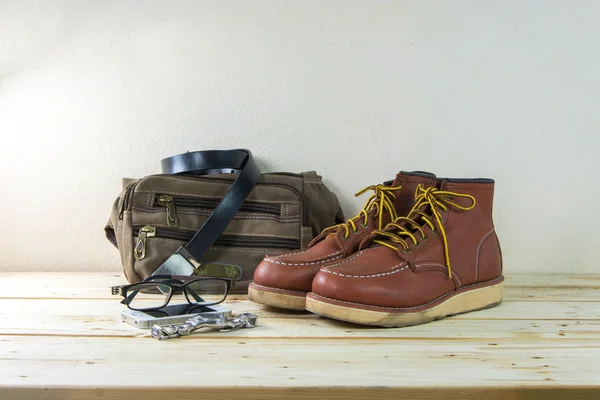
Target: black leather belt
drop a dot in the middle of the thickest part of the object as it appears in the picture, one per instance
(204, 163)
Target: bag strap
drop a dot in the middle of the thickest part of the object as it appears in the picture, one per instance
(216, 162)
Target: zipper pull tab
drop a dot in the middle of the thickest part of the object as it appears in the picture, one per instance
(172, 217)
(125, 199)
(139, 251)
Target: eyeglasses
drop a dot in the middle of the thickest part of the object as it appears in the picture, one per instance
(156, 292)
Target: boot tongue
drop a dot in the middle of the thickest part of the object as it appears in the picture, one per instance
(420, 174)
(334, 235)
(425, 208)
(400, 177)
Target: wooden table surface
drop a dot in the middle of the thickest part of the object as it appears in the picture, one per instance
(61, 337)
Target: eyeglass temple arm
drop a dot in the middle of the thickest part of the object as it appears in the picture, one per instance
(118, 290)
(130, 297)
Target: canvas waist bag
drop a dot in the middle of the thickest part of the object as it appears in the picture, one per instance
(216, 207)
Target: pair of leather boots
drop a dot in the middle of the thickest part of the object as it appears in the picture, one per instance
(421, 249)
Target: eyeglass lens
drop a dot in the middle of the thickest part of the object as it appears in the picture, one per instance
(206, 291)
(148, 295)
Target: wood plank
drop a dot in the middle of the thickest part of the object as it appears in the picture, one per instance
(91, 309)
(95, 362)
(97, 285)
(551, 294)
(553, 280)
(546, 392)
(522, 321)
(450, 329)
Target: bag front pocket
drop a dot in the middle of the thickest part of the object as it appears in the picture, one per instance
(153, 245)
(143, 233)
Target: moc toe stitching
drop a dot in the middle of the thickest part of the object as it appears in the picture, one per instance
(345, 261)
(395, 270)
(328, 258)
(292, 253)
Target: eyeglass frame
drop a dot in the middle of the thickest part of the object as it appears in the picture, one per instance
(122, 290)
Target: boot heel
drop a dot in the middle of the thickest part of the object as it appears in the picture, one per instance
(473, 300)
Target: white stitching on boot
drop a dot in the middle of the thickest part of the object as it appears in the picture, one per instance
(308, 263)
(370, 276)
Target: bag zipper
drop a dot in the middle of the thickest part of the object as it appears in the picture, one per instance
(225, 240)
(126, 203)
(305, 211)
(171, 203)
(139, 251)
(303, 203)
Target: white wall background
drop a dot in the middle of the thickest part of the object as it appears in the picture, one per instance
(92, 91)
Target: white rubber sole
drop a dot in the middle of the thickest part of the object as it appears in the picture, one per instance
(277, 297)
(470, 300)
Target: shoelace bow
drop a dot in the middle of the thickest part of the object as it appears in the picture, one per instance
(382, 199)
(435, 199)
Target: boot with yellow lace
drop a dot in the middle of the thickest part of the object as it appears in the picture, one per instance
(283, 280)
(442, 259)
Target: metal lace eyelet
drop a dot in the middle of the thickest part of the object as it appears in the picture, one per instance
(346, 237)
(407, 250)
(365, 225)
(356, 232)
(425, 237)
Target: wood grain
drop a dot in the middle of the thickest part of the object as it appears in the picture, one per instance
(254, 362)
(102, 318)
(61, 337)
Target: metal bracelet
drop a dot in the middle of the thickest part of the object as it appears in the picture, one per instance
(219, 322)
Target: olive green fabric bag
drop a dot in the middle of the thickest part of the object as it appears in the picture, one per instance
(154, 216)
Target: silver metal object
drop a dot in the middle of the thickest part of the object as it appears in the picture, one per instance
(220, 323)
(172, 315)
(183, 263)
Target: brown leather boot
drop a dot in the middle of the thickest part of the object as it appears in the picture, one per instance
(443, 259)
(283, 280)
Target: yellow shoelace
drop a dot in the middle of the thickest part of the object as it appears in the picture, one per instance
(433, 198)
(382, 199)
